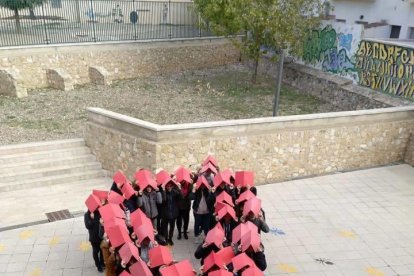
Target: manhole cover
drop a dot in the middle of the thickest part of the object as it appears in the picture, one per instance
(59, 215)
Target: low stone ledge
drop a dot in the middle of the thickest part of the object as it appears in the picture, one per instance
(319, 74)
(277, 148)
(409, 152)
(10, 83)
(99, 75)
(59, 79)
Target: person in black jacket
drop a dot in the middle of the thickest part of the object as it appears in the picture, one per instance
(203, 208)
(257, 255)
(184, 207)
(228, 225)
(92, 223)
(171, 196)
(203, 250)
(259, 221)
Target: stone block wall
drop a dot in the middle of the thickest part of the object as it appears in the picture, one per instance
(276, 149)
(10, 84)
(119, 150)
(337, 90)
(59, 79)
(98, 75)
(122, 60)
(409, 152)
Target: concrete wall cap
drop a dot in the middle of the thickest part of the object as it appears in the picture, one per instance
(157, 127)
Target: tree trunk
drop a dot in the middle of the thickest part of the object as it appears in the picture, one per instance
(17, 18)
(278, 84)
(256, 66)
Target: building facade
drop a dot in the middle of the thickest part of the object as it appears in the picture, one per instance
(385, 19)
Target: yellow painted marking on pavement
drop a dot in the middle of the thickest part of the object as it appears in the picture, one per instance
(2, 248)
(85, 246)
(374, 272)
(287, 268)
(36, 272)
(24, 235)
(348, 234)
(53, 241)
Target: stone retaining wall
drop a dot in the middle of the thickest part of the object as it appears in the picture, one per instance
(275, 148)
(337, 90)
(409, 153)
(10, 84)
(122, 60)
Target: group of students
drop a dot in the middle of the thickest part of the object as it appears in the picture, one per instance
(130, 226)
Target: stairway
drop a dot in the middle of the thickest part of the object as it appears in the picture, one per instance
(46, 177)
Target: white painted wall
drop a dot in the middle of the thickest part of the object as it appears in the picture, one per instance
(395, 12)
(377, 32)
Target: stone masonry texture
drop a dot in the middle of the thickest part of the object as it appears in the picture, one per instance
(334, 89)
(409, 152)
(98, 75)
(10, 83)
(59, 79)
(121, 60)
(276, 151)
(118, 150)
(292, 154)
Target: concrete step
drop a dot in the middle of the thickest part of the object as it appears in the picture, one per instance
(41, 146)
(63, 179)
(49, 171)
(44, 163)
(45, 199)
(28, 156)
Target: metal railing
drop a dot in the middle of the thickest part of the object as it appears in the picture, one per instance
(74, 21)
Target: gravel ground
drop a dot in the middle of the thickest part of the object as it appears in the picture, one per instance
(206, 95)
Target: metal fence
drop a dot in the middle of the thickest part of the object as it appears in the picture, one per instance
(74, 21)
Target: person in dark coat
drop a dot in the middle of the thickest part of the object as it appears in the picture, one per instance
(92, 223)
(203, 250)
(258, 257)
(170, 200)
(130, 204)
(203, 208)
(148, 201)
(184, 207)
(259, 221)
(159, 208)
(228, 225)
(228, 189)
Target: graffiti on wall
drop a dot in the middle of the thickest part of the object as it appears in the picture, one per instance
(329, 49)
(387, 68)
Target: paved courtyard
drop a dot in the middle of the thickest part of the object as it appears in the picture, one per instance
(355, 223)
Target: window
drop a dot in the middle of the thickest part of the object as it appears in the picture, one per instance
(411, 33)
(395, 31)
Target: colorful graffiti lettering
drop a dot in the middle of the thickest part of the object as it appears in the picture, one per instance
(326, 47)
(337, 62)
(387, 68)
(345, 41)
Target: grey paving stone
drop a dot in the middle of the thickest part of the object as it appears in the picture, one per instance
(16, 267)
(55, 265)
(338, 217)
(56, 256)
(38, 256)
(72, 272)
(33, 266)
(52, 272)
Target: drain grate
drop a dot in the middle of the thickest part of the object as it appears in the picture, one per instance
(59, 215)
